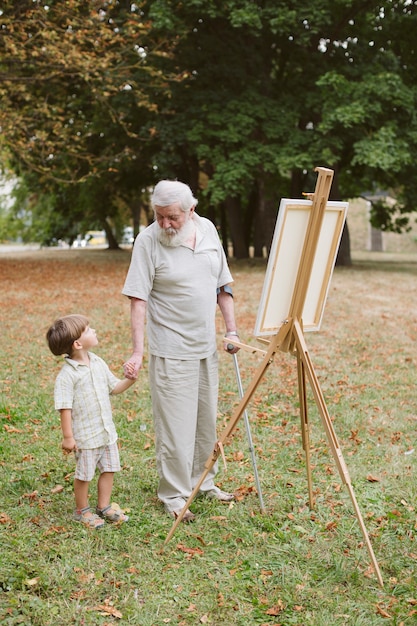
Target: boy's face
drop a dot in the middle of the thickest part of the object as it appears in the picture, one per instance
(88, 338)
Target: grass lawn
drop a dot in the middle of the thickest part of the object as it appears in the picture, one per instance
(234, 565)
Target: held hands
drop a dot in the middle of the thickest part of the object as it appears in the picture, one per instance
(132, 366)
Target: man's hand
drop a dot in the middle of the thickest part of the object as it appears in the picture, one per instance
(229, 347)
(132, 366)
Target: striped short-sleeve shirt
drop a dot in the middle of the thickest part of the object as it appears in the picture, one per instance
(86, 391)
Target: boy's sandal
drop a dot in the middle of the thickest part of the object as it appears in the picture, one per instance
(91, 521)
(112, 513)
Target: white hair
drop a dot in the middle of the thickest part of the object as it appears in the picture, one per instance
(168, 192)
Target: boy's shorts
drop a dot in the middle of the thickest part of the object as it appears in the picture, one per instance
(105, 459)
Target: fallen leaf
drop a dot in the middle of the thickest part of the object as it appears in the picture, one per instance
(191, 551)
(12, 429)
(56, 530)
(107, 609)
(77, 595)
(57, 489)
(276, 609)
(31, 496)
(372, 479)
(354, 436)
(201, 540)
(382, 612)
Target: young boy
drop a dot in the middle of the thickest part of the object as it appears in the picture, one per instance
(82, 396)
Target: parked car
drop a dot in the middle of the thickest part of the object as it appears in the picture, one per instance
(127, 236)
(91, 238)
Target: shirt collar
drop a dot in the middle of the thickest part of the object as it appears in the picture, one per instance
(76, 364)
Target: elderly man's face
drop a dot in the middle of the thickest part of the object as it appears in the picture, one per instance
(176, 226)
(171, 218)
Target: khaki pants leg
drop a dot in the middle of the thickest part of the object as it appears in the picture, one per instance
(184, 402)
(206, 435)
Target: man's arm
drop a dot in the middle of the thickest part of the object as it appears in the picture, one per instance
(137, 321)
(227, 308)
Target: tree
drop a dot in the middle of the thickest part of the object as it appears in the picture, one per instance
(75, 87)
(274, 90)
(241, 99)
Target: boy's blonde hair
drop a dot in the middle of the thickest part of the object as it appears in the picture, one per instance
(64, 331)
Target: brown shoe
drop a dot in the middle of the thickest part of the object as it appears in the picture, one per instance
(187, 517)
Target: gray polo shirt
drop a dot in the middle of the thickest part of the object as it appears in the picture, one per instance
(179, 285)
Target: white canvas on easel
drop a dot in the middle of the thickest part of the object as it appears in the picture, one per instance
(284, 260)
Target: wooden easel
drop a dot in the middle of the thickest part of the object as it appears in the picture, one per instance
(290, 338)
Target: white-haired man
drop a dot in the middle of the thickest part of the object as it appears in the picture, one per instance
(177, 275)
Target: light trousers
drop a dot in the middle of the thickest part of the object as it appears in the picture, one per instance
(184, 402)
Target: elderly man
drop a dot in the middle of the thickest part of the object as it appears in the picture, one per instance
(178, 273)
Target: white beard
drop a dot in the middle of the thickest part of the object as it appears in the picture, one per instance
(174, 238)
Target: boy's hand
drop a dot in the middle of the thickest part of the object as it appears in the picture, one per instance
(132, 366)
(68, 445)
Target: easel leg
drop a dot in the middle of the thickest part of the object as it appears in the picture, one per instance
(302, 353)
(305, 428)
(209, 464)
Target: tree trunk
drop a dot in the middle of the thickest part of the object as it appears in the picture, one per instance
(265, 217)
(237, 232)
(223, 229)
(136, 207)
(113, 244)
(343, 255)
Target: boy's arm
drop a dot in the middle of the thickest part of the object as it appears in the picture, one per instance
(122, 385)
(68, 441)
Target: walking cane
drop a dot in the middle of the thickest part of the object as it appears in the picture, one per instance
(230, 346)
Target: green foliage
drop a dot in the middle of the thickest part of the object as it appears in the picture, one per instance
(388, 217)
(68, 116)
(240, 99)
(383, 151)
